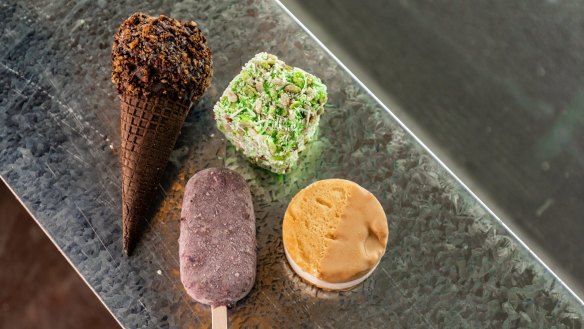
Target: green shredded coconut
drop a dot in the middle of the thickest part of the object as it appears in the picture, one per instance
(270, 111)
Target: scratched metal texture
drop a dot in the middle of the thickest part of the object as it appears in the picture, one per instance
(449, 263)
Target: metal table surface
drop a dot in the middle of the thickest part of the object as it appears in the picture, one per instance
(494, 88)
(450, 262)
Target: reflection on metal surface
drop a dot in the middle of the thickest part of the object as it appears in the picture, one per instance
(539, 211)
(498, 100)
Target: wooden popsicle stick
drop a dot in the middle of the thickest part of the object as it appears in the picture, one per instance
(219, 317)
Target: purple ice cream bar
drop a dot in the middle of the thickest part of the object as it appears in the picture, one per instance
(217, 244)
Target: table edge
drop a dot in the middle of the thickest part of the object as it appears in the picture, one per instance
(432, 154)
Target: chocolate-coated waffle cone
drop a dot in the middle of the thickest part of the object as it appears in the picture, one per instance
(150, 126)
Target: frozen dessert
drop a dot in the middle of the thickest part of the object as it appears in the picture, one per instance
(270, 111)
(159, 66)
(217, 244)
(335, 233)
(161, 56)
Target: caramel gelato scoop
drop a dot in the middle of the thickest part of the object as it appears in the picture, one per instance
(335, 233)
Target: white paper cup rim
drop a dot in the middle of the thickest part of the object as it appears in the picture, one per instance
(324, 284)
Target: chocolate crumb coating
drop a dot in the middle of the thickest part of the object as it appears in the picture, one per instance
(217, 244)
(161, 56)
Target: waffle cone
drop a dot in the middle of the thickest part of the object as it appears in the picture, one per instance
(149, 129)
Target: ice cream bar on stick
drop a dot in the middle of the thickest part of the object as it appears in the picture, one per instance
(217, 243)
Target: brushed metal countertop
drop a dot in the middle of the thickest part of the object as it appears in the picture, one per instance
(449, 262)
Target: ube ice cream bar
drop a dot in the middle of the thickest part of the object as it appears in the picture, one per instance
(217, 244)
(270, 111)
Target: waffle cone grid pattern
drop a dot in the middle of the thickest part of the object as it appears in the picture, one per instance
(149, 129)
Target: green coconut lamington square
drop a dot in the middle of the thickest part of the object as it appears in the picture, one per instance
(270, 111)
